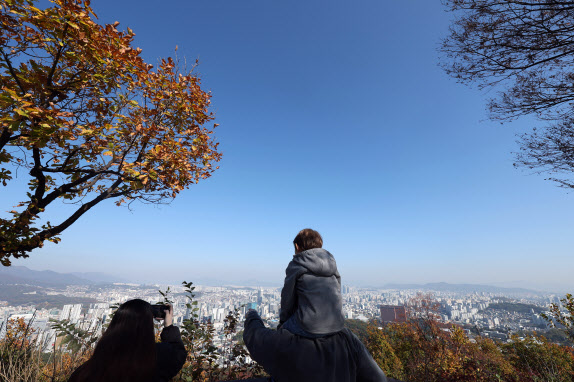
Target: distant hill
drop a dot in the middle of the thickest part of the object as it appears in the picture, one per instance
(231, 283)
(99, 277)
(24, 275)
(256, 283)
(27, 295)
(516, 307)
(463, 288)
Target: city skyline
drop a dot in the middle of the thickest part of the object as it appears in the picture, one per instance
(497, 316)
(339, 119)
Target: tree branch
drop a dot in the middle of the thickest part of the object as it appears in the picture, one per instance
(70, 156)
(82, 171)
(122, 193)
(14, 137)
(57, 58)
(38, 174)
(79, 212)
(63, 189)
(12, 72)
(51, 232)
(5, 137)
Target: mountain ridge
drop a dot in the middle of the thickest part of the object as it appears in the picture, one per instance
(19, 274)
(443, 286)
(24, 275)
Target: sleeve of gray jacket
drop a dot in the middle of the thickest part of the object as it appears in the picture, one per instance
(289, 293)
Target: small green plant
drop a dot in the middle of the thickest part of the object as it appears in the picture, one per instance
(198, 338)
(19, 357)
(74, 339)
(238, 364)
(562, 317)
(205, 361)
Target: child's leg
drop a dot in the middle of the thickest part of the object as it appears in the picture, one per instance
(293, 326)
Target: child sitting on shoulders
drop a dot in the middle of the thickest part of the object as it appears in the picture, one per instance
(311, 302)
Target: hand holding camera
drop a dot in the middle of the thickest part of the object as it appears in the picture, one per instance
(163, 312)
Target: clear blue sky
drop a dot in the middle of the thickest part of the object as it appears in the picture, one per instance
(335, 116)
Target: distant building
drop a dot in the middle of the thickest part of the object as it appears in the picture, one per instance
(71, 312)
(393, 313)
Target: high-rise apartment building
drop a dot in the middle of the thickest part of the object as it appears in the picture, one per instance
(71, 312)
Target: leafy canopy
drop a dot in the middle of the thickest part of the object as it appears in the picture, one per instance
(89, 120)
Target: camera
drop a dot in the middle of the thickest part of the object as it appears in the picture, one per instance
(159, 310)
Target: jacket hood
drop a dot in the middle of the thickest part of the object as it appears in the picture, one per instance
(318, 261)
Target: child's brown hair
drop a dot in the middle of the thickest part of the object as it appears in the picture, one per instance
(308, 239)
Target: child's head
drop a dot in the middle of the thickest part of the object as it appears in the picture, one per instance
(307, 239)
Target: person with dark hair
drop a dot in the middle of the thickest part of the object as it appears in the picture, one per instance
(311, 302)
(127, 350)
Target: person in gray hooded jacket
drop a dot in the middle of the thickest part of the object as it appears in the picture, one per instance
(311, 302)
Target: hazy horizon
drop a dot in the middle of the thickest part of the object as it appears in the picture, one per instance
(269, 282)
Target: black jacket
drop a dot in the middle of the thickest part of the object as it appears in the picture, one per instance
(340, 357)
(312, 291)
(170, 356)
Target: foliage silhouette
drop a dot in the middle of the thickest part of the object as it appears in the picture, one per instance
(525, 49)
(89, 120)
(562, 316)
